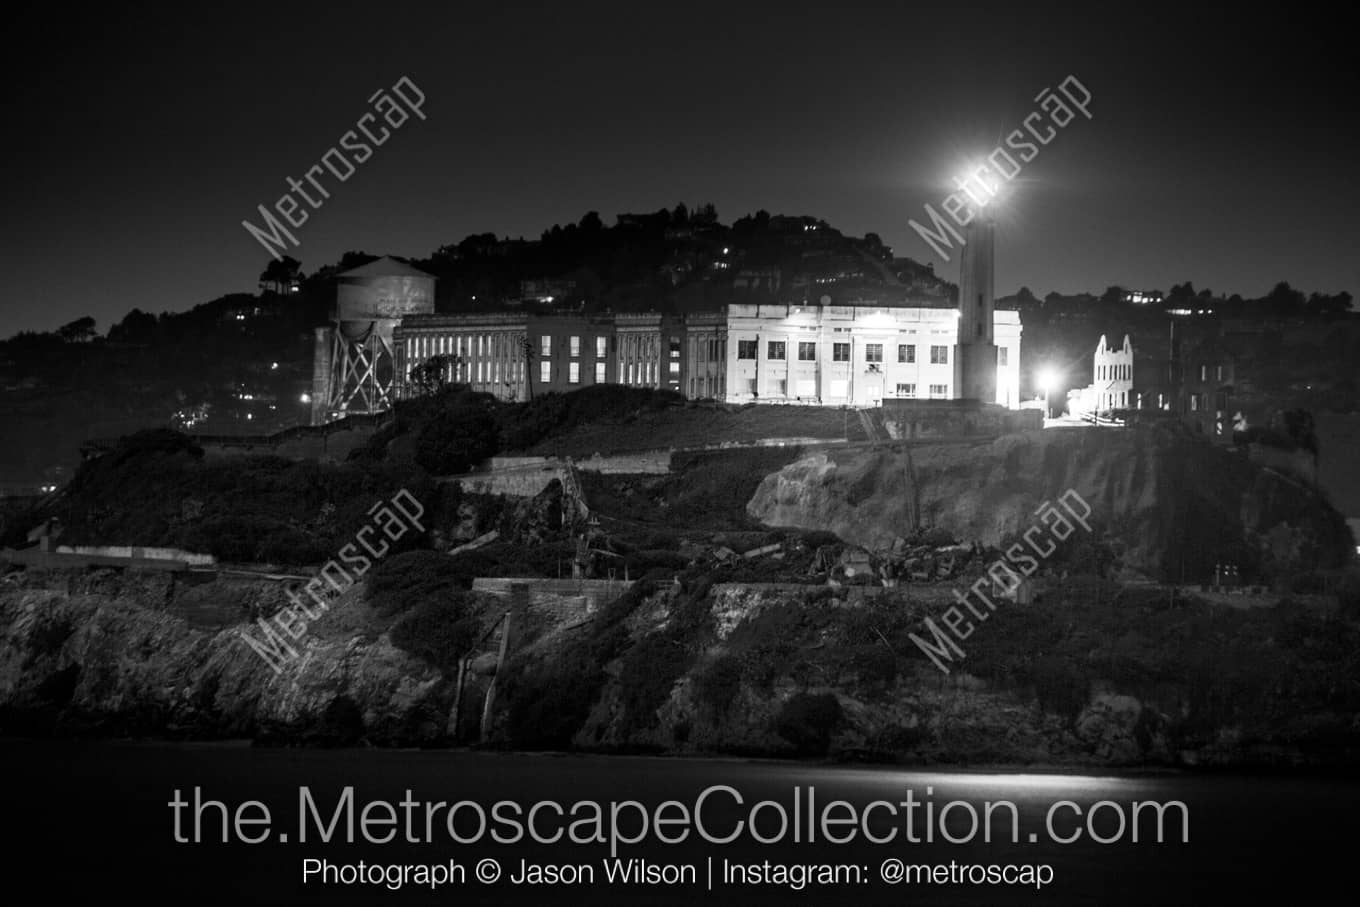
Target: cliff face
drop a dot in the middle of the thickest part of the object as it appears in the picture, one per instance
(1174, 504)
(113, 659)
(1093, 677)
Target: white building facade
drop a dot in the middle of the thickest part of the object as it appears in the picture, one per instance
(1111, 384)
(856, 355)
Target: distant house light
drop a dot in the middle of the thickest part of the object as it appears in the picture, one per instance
(306, 398)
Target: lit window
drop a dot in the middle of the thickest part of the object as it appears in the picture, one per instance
(906, 390)
(807, 352)
(840, 387)
(675, 347)
(776, 349)
(746, 349)
(873, 352)
(599, 371)
(545, 372)
(675, 368)
(544, 346)
(599, 347)
(574, 373)
(575, 346)
(807, 387)
(939, 355)
(906, 352)
(840, 352)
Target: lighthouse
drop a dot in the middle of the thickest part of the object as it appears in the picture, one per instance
(975, 348)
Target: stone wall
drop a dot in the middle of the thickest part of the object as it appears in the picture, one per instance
(947, 420)
(566, 600)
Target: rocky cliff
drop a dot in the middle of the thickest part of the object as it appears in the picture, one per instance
(1173, 504)
(109, 655)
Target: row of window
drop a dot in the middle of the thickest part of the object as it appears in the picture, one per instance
(840, 352)
(807, 389)
(1114, 372)
(574, 346)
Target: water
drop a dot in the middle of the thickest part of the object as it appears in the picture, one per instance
(93, 820)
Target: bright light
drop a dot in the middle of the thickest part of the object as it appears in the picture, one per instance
(306, 398)
(976, 187)
(1048, 379)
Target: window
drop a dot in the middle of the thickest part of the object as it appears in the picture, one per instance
(906, 352)
(840, 387)
(545, 371)
(807, 387)
(746, 349)
(574, 373)
(775, 349)
(675, 368)
(906, 390)
(781, 387)
(599, 371)
(807, 352)
(751, 383)
(840, 352)
(939, 355)
(675, 347)
(873, 352)
(939, 391)
(545, 346)
(1204, 373)
(1218, 373)
(575, 346)
(1002, 356)
(600, 347)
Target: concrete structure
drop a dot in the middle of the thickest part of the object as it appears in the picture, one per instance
(358, 374)
(861, 355)
(949, 420)
(484, 351)
(1111, 384)
(976, 353)
(516, 356)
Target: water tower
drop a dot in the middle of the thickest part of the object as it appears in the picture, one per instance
(353, 366)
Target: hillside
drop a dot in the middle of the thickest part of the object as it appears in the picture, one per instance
(1172, 504)
(745, 631)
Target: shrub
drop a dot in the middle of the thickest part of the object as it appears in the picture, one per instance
(439, 631)
(717, 686)
(456, 440)
(401, 582)
(808, 720)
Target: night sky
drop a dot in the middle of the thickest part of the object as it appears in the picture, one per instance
(1222, 148)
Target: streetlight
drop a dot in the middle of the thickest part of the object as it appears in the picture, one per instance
(1047, 380)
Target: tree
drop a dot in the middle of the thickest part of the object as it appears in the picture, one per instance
(136, 327)
(432, 375)
(79, 331)
(530, 355)
(1284, 300)
(456, 440)
(281, 274)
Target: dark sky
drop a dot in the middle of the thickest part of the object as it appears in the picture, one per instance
(1222, 148)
